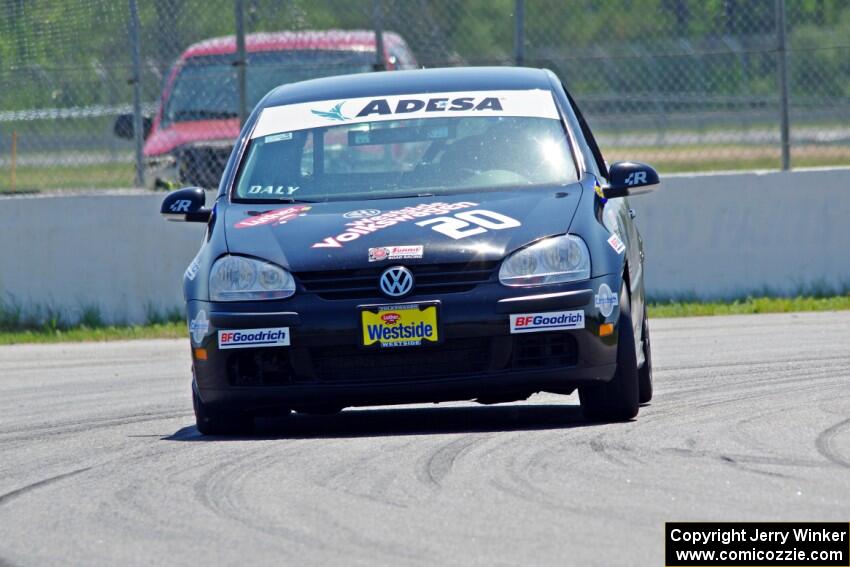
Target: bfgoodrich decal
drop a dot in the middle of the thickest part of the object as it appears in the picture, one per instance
(554, 321)
(536, 103)
(254, 338)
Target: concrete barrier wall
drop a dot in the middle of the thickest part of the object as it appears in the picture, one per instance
(727, 236)
(114, 252)
(706, 236)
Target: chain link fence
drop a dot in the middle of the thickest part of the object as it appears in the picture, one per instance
(122, 93)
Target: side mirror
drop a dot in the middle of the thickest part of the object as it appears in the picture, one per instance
(627, 178)
(185, 205)
(123, 127)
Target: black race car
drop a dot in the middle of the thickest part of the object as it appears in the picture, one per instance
(416, 236)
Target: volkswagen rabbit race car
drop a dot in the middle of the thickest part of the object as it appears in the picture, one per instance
(416, 236)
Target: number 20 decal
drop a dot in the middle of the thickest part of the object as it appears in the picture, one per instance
(461, 225)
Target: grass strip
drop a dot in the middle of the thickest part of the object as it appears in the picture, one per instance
(173, 330)
(750, 305)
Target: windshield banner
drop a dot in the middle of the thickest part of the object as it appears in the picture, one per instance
(536, 103)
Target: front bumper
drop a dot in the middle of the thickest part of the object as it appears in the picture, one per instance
(478, 357)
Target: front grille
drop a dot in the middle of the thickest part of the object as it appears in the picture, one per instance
(429, 279)
(260, 367)
(544, 350)
(353, 364)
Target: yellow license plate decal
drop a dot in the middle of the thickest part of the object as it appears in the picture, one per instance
(399, 325)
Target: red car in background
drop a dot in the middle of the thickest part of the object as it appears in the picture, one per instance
(189, 140)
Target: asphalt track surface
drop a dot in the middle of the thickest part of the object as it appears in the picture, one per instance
(100, 462)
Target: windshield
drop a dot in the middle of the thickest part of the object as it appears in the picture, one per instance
(206, 87)
(385, 157)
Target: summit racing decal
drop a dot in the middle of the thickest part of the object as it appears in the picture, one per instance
(361, 227)
(254, 338)
(535, 103)
(555, 321)
(277, 216)
(395, 253)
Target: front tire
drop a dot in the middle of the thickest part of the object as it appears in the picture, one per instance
(210, 422)
(617, 400)
(645, 372)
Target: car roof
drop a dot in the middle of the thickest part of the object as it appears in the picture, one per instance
(346, 40)
(387, 83)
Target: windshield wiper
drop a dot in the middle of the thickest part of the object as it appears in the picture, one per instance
(409, 196)
(280, 200)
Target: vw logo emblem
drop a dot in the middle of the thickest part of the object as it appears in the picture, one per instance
(361, 214)
(396, 281)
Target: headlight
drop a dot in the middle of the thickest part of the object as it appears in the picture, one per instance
(236, 278)
(553, 260)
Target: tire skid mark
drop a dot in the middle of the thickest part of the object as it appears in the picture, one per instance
(527, 477)
(600, 447)
(440, 462)
(749, 364)
(221, 490)
(346, 478)
(826, 447)
(87, 424)
(723, 394)
(742, 459)
(11, 495)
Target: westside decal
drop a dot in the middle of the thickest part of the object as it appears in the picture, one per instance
(605, 300)
(554, 321)
(277, 216)
(534, 103)
(361, 227)
(254, 338)
(616, 244)
(198, 327)
(395, 253)
(400, 325)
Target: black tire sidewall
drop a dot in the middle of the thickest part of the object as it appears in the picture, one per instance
(618, 399)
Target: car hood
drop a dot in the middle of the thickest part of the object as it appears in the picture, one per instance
(215, 132)
(339, 235)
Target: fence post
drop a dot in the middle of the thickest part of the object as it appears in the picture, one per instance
(519, 32)
(378, 23)
(784, 96)
(14, 180)
(136, 81)
(241, 62)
